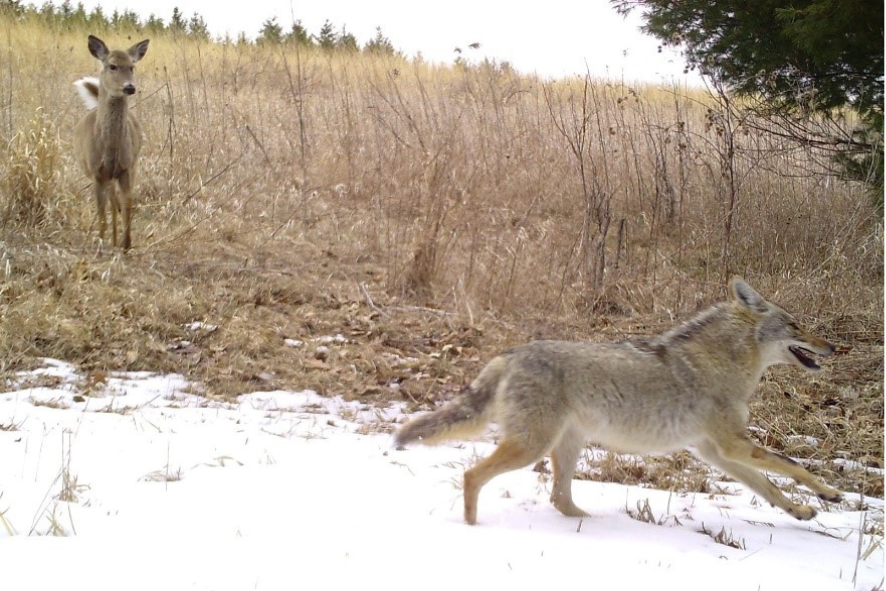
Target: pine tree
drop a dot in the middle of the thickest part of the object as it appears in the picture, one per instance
(380, 44)
(154, 24)
(79, 17)
(271, 32)
(347, 41)
(14, 7)
(177, 23)
(129, 21)
(97, 20)
(781, 48)
(299, 35)
(198, 29)
(48, 12)
(66, 10)
(327, 38)
(799, 58)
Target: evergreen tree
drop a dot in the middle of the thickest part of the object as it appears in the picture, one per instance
(79, 18)
(66, 10)
(154, 24)
(271, 32)
(48, 12)
(177, 22)
(346, 41)
(129, 21)
(13, 7)
(198, 29)
(299, 34)
(781, 48)
(97, 20)
(327, 38)
(799, 57)
(380, 44)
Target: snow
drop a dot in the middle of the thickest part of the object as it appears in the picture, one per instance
(148, 485)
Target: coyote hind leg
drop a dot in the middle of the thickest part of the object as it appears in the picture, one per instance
(511, 454)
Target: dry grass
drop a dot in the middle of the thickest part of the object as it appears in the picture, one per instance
(724, 537)
(644, 513)
(429, 215)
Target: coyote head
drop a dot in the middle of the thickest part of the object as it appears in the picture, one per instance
(780, 338)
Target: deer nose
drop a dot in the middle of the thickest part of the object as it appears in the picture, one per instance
(129, 89)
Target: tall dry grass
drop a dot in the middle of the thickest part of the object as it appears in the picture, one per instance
(471, 185)
(280, 186)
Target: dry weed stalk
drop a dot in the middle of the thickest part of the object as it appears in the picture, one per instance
(724, 537)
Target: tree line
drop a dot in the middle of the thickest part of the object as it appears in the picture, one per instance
(97, 20)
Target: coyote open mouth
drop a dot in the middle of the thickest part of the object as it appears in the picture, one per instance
(801, 354)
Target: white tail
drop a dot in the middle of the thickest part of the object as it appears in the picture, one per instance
(108, 139)
(87, 88)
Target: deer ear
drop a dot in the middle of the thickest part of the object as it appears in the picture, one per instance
(97, 48)
(746, 295)
(138, 51)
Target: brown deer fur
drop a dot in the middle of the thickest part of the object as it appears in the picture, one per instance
(108, 139)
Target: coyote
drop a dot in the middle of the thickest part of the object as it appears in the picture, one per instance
(687, 387)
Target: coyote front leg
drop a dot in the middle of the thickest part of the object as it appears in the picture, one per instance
(563, 458)
(742, 459)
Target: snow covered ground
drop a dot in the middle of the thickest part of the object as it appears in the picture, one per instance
(150, 487)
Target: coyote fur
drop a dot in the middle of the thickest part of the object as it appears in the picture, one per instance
(687, 387)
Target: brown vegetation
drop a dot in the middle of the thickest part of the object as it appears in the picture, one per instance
(428, 215)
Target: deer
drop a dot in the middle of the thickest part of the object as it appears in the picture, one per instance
(107, 140)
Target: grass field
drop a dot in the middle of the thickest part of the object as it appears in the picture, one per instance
(428, 215)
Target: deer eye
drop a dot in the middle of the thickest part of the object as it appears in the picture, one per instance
(112, 67)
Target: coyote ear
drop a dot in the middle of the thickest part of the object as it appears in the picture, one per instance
(746, 294)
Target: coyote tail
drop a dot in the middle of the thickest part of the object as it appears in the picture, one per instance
(462, 417)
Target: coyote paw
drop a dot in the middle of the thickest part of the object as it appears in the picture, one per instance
(571, 510)
(802, 512)
(566, 506)
(834, 496)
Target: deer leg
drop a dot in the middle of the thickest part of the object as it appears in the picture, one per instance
(101, 203)
(125, 204)
(115, 207)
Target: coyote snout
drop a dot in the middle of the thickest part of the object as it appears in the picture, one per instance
(688, 387)
(108, 139)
